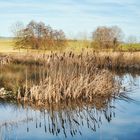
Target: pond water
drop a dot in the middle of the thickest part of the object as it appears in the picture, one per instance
(111, 119)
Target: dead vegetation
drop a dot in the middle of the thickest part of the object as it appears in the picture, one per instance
(82, 87)
(71, 77)
(108, 60)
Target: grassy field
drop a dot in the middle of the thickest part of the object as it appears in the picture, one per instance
(130, 47)
(7, 46)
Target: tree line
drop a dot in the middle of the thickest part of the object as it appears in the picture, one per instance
(36, 35)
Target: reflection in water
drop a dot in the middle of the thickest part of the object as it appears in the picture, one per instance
(7, 126)
(67, 120)
(13, 77)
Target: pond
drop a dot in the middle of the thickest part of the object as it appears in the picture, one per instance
(113, 119)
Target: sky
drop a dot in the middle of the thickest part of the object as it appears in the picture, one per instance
(74, 17)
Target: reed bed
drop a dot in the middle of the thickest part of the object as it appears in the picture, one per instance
(111, 60)
(69, 78)
(118, 60)
(82, 87)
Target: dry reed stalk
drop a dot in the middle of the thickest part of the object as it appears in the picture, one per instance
(113, 60)
(71, 78)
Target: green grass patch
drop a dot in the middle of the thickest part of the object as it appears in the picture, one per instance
(130, 47)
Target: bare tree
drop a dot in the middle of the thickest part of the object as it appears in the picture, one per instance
(39, 36)
(59, 38)
(107, 37)
(16, 30)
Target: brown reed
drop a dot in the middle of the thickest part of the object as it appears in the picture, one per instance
(111, 60)
(72, 77)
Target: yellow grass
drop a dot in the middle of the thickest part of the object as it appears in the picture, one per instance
(7, 46)
(78, 46)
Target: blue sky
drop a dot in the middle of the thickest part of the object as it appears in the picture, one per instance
(75, 17)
